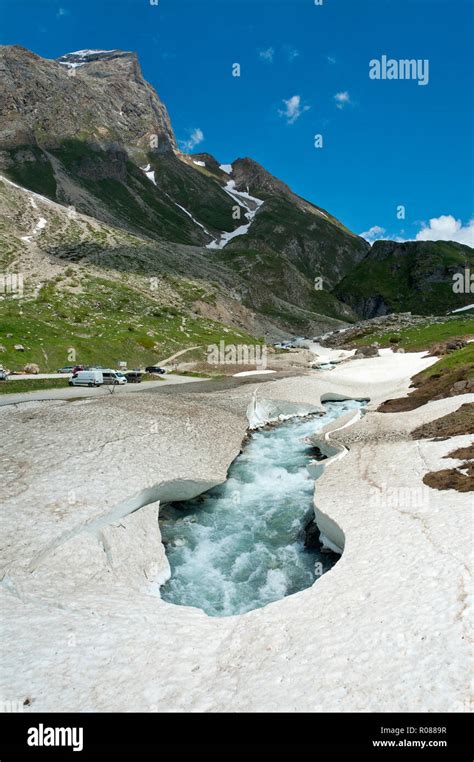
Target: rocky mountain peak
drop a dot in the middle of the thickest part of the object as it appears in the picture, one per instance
(99, 96)
(88, 56)
(248, 173)
(106, 64)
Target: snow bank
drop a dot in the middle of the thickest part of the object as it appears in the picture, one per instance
(40, 225)
(263, 411)
(462, 309)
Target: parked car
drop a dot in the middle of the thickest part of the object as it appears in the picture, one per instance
(77, 368)
(3, 375)
(154, 369)
(134, 376)
(113, 377)
(87, 378)
(66, 369)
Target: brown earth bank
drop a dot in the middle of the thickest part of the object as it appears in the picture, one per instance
(460, 478)
(452, 478)
(455, 424)
(459, 422)
(462, 453)
(446, 383)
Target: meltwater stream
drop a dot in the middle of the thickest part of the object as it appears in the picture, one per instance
(241, 545)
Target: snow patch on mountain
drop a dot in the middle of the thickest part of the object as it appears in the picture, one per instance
(71, 65)
(150, 173)
(462, 309)
(42, 222)
(251, 204)
(193, 218)
(85, 53)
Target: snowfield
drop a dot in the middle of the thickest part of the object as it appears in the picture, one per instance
(386, 629)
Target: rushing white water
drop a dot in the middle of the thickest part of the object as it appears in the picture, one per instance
(241, 545)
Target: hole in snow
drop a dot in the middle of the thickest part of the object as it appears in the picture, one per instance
(241, 545)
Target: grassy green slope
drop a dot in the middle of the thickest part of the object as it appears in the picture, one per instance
(104, 322)
(118, 189)
(423, 337)
(414, 276)
(315, 246)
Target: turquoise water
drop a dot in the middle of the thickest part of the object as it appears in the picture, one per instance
(241, 545)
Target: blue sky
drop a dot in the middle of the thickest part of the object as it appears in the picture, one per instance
(304, 71)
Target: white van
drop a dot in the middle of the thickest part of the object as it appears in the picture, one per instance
(87, 378)
(113, 377)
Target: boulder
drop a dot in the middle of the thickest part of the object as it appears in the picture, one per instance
(462, 387)
(31, 367)
(366, 352)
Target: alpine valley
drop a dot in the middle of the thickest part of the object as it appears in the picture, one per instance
(126, 245)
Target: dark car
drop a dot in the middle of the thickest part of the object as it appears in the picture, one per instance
(66, 369)
(154, 369)
(134, 376)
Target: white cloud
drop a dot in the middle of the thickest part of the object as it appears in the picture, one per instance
(447, 228)
(375, 233)
(62, 12)
(267, 55)
(331, 59)
(293, 109)
(342, 99)
(443, 228)
(292, 53)
(196, 137)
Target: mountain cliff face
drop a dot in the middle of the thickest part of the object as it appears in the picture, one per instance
(414, 276)
(96, 96)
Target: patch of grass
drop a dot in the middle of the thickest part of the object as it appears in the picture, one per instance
(32, 169)
(93, 327)
(423, 337)
(460, 358)
(196, 374)
(32, 384)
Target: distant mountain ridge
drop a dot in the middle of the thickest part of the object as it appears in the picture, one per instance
(416, 276)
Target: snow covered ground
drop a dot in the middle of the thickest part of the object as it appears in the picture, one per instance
(384, 630)
(326, 355)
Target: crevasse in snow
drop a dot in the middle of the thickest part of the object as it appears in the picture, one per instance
(240, 545)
